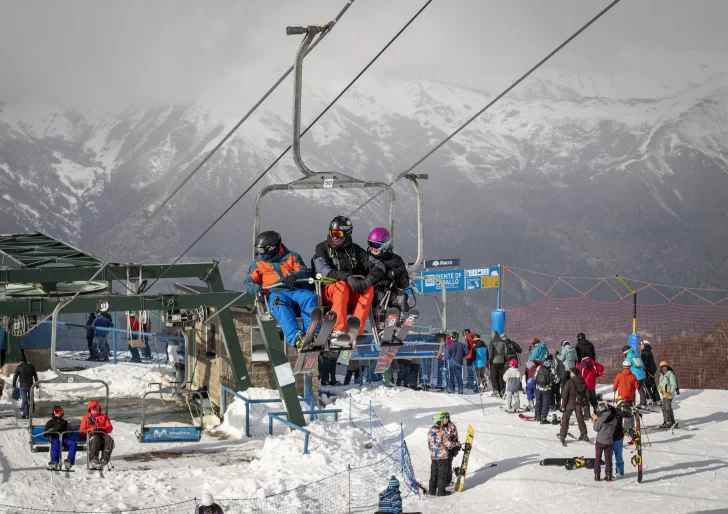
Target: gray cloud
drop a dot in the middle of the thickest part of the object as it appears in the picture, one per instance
(115, 53)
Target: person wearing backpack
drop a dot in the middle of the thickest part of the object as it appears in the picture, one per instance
(590, 370)
(637, 368)
(605, 423)
(512, 378)
(573, 399)
(545, 377)
(650, 370)
(513, 350)
(497, 356)
(560, 376)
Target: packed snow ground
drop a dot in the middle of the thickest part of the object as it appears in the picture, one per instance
(683, 472)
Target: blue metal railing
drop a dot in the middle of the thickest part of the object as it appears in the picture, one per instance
(278, 416)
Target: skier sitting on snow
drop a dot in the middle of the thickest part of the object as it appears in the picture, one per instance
(274, 264)
(396, 276)
(54, 428)
(668, 388)
(208, 505)
(625, 383)
(390, 500)
(512, 378)
(97, 426)
(440, 444)
(340, 258)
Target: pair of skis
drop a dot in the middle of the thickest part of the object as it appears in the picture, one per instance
(393, 337)
(572, 463)
(314, 344)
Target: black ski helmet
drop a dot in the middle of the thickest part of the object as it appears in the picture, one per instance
(268, 244)
(580, 336)
(340, 230)
(602, 407)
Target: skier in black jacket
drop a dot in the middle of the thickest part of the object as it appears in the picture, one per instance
(396, 277)
(584, 347)
(90, 335)
(340, 258)
(23, 379)
(648, 361)
(56, 426)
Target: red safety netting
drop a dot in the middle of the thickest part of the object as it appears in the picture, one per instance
(686, 327)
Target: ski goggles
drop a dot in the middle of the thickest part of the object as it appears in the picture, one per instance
(58, 412)
(377, 245)
(262, 250)
(337, 234)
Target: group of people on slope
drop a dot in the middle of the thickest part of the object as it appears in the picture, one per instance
(357, 275)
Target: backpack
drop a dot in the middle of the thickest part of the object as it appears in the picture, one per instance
(543, 376)
(581, 399)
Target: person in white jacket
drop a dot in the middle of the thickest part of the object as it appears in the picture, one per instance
(512, 379)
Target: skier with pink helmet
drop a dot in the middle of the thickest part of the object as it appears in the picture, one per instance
(396, 276)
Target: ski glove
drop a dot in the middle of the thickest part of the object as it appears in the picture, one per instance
(353, 282)
(467, 447)
(260, 296)
(290, 280)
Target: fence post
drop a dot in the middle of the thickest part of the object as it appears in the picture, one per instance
(350, 420)
(247, 419)
(224, 402)
(370, 420)
(401, 448)
(349, 469)
(114, 338)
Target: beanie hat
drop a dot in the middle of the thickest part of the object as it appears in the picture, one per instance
(536, 340)
(645, 341)
(393, 482)
(575, 371)
(626, 349)
(564, 343)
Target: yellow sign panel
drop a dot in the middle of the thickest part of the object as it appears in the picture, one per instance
(489, 282)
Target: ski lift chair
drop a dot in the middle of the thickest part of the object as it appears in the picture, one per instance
(170, 433)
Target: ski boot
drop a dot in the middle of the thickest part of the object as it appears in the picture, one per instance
(562, 439)
(545, 421)
(54, 466)
(584, 438)
(298, 342)
(103, 463)
(67, 464)
(95, 464)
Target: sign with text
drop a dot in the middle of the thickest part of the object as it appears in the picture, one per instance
(454, 281)
(442, 263)
(481, 278)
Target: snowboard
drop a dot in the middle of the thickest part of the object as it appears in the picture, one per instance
(572, 463)
(463, 469)
(637, 438)
(307, 358)
(348, 340)
(527, 418)
(388, 350)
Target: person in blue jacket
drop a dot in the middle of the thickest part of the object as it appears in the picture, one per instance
(638, 370)
(539, 352)
(102, 322)
(481, 361)
(455, 353)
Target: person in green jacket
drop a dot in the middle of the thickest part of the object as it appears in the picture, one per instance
(668, 389)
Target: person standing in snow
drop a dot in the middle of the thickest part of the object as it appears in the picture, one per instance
(24, 377)
(455, 354)
(480, 350)
(390, 500)
(560, 375)
(530, 384)
(100, 324)
(512, 379)
(439, 443)
(638, 370)
(650, 370)
(513, 349)
(590, 370)
(208, 505)
(497, 356)
(584, 348)
(625, 383)
(568, 357)
(452, 433)
(623, 412)
(604, 424)
(668, 389)
(90, 335)
(540, 351)
(545, 377)
(574, 398)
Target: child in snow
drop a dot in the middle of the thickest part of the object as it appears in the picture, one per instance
(55, 427)
(623, 412)
(97, 426)
(480, 350)
(512, 378)
(530, 384)
(440, 445)
(545, 378)
(390, 500)
(604, 424)
(667, 388)
(208, 505)
(625, 383)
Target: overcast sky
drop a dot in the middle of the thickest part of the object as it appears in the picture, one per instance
(149, 52)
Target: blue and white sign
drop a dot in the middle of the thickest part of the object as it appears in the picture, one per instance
(473, 276)
(170, 434)
(442, 263)
(454, 281)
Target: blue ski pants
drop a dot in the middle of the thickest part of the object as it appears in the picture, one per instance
(56, 450)
(25, 400)
(543, 401)
(617, 448)
(286, 315)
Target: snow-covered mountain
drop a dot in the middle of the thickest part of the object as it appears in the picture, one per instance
(553, 178)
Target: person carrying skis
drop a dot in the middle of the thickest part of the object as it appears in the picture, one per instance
(668, 389)
(604, 424)
(340, 258)
(590, 370)
(512, 379)
(54, 428)
(440, 444)
(452, 433)
(650, 370)
(540, 351)
(23, 379)
(638, 370)
(573, 399)
(454, 355)
(480, 351)
(545, 377)
(96, 426)
(584, 348)
(276, 264)
(208, 505)
(497, 356)
(625, 383)
(623, 412)
(390, 500)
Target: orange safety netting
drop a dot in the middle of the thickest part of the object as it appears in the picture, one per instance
(687, 327)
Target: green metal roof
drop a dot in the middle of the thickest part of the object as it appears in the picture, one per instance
(37, 250)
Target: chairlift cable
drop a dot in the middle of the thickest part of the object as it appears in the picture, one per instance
(265, 172)
(490, 104)
(328, 27)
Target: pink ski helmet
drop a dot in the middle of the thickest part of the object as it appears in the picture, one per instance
(380, 240)
(513, 363)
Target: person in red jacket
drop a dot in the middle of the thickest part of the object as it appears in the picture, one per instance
(97, 427)
(590, 370)
(625, 383)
